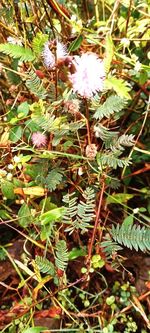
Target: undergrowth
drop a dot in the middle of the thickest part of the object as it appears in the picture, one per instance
(74, 207)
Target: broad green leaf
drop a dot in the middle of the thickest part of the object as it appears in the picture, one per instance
(118, 85)
(128, 220)
(46, 204)
(25, 158)
(15, 134)
(24, 215)
(76, 252)
(52, 215)
(7, 189)
(4, 215)
(119, 198)
(23, 110)
(76, 44)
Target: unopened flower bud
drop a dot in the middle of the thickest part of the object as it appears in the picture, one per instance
(91, 151)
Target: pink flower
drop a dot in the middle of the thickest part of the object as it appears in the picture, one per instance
(89, 76)
(39, 139)
(49, 57)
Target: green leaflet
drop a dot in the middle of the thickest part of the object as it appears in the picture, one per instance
(61, 260)
(76, 44)
(45, 266)
(35, 85)
(53, 179)
(38, 43)
(79, 215)
(118, 85)
(17, 52)
(132, 236)
(7, 189)
(24, 216)
(112, 104)
(52, 215)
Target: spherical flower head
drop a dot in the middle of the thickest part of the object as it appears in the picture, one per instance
(39, 139)
(89, 76)
(49, 58)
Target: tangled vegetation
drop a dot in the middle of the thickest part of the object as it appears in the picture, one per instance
(74, 143)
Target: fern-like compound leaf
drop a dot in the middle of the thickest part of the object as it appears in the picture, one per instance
(120, 86)
(133, 236)
(112, 104)
(35, 85)
(110, 248)
(79, 215)
(112, 160)
(45, 266)
(38, 43)
(104, 133)
(61, 260)
(17, 52)
(53, 179)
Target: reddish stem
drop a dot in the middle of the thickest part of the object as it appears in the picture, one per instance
(96, 222)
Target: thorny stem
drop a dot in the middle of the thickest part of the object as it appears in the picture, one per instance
(96, 222)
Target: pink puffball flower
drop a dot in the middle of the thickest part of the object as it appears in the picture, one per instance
(39, 139)
(49, 58)
(89, 76)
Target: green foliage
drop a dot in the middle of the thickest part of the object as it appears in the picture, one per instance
(53, 179)
(17, 52)
(111, 139)
(112, 104)
(119, 198)
(105, 134)
(38, 43)
(132, 236)
(124, 140)
(110, 248)
(48, 122)
(7, 189)
(37, 329)
(75, 45)
(52, 215)
(120, 86)
(112, 160)
(12, 77)
(35, 85)
(109, 52)
(61, 259)
(79, 215)
(16, 134)
(3, 254)
(45, 266)
(24, 216)
(35, 177)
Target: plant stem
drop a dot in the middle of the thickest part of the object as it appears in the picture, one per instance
(87, 122)
(96, 222)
